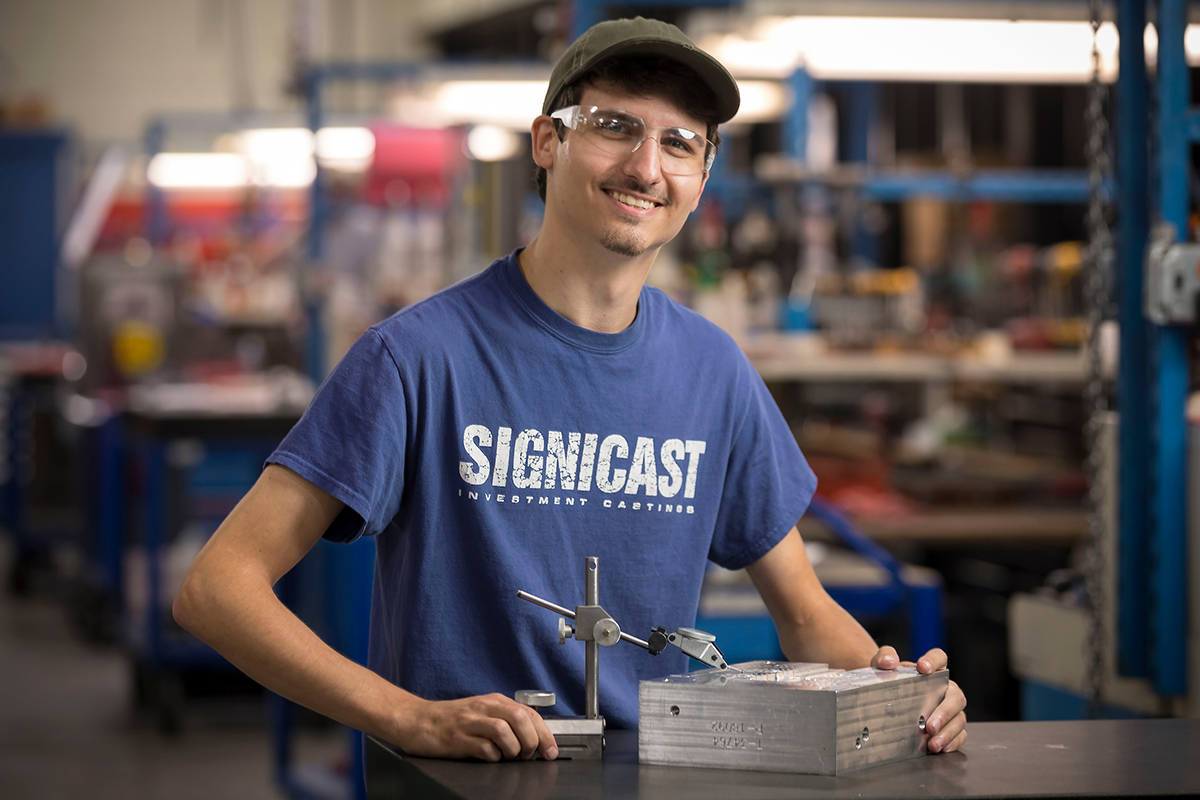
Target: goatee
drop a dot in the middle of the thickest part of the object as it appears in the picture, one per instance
(623, 243)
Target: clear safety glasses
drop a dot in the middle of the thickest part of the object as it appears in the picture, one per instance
(619, 133)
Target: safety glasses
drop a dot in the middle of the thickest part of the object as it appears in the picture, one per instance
(619, 133)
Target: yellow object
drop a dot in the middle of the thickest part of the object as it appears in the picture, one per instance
(1068, 332)
(885, 281)
(1064, 260)
(138, 348)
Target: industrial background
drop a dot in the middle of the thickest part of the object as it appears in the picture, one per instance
(955, 237)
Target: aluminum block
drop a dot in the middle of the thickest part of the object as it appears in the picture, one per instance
(786, 717)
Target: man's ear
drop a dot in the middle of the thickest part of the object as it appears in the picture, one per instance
(700, 193)
(545, 141)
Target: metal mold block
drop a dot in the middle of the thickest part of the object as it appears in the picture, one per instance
(786, 717)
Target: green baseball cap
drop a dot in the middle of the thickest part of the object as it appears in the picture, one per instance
(640, 36)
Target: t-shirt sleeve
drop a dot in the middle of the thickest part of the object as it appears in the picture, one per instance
(768, 483)
(351, 439)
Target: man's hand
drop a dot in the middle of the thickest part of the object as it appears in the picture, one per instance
(490, 727)
(947, 725)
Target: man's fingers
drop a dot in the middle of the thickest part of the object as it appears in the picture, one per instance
(498, 731)
(885, 658)
(546, 744)
(486, 749)
(955, 743)
(521, 719)
(535, 735)
(950, 731)
(491, 727)
(948, 721)
(952, 706)
(932, 661)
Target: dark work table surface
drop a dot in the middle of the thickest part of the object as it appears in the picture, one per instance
(1107, 758)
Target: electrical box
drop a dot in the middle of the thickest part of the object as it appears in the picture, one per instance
(1172, 280)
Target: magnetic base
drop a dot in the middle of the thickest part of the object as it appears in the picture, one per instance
(578, 738)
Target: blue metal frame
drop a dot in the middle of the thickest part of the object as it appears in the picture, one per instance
(795, 122)
(1013, 186)
(8, 475)
(158, 223)
(1170, 354)
(586, 13)
(860, 112)
(1132, 120)
(108, 509)
(35, 188)
(15, 511)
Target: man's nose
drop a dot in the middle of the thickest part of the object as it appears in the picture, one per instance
(645, 162)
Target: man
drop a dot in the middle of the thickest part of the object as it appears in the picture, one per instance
(549, 409)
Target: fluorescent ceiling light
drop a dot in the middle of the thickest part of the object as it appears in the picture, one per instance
(1191, 45)
(880, 48)
(513, 104)
(762, 101)
(275, 144)
(281, 158)
(347, 149)
(509, 104)
(492, 143)
(198, 171)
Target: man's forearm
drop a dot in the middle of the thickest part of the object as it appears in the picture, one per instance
(811, 626)
(827, 635)
(237, 614)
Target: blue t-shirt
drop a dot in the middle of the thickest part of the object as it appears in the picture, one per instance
(491, 445)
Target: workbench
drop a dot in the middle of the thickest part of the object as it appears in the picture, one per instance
(1108, 758)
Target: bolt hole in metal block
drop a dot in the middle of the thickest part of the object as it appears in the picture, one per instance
(786, 717)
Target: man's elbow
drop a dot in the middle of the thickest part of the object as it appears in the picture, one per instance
(195, 602)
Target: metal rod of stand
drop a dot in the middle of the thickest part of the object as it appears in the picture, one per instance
(592, 676)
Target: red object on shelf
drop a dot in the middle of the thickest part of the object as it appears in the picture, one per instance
(413, 166)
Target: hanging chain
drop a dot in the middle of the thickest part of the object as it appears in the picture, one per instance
(1099, 264)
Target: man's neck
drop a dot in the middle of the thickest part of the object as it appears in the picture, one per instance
(597, 289)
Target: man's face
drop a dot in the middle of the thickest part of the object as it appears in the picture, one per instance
(625, 201)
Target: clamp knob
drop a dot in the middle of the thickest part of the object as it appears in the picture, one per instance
(565, 630)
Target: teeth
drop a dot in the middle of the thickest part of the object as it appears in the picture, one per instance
(632, 201)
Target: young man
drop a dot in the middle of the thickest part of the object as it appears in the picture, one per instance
(549, 409)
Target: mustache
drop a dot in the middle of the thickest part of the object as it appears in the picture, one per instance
(633, 187)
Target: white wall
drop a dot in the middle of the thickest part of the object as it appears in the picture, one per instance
(107, 66)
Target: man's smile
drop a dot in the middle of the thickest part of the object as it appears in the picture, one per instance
(640, 202)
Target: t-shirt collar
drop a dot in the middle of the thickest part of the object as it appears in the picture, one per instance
(560, 326)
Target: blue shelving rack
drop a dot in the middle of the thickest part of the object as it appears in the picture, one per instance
(1154, 614)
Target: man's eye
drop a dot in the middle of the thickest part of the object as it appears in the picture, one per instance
(681, 146)
(614, 125)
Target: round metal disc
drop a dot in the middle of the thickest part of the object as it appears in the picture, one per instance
(606, 631)
(698, 635)
(534, 697)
